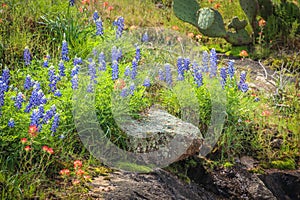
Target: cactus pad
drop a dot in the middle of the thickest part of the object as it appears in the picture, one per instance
(186, 10)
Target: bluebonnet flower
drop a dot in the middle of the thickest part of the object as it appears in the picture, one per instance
(120, 26)
(11, 123)
(74, 82)
(257, 99)
(90, 88)
(231, 69)
(49, 114)
(2, 90)
(28, 82)
(115, 70)
(77, 61)
(62, 68)
(180, 69)
(74, 71)
(205, 60)
(119, 54)
(34, 118)
(62, 136)
(101, 62)
(137, 53)
(198, 78)
(131, 89)
(161, 75)
(134, 69)
(48, 56)
(244, 87)
(124, 92)
(213, 62)
(114, 53)
(223, 75)
(147, 82)
(92, 71)
(145, 37)
(19, 100)
(71, 2)
(5, 79)
(27, 56)
(99, 27)
(95, 15)
(64, 51)
(127, 71)
(41, 110)
(57, 93)
(52, 79)
(45, 63)
(186, 64)
(168, 74)
(55, 123)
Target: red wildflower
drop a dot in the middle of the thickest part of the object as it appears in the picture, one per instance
(261, 22)
(110, 8)
(105, 4)
(32, 130)
(175, 28)
(50, 151)
(217, 5)
(243, 53)
(266, 113)
(119, 84)
(85, 2)
(75, 182)
(77, 164)
(80, 172)
(23, 140)
(45, 148)
(64, 172)
(27, 148)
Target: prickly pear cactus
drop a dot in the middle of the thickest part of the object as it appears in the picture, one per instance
(210, 22)
(250, 8)
(186, 10)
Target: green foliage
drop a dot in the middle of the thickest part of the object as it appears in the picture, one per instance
(284, 164)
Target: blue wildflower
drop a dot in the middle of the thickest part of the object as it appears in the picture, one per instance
(65, 51)
(57, 93)
(198, 78)
(180, 69)
(134, 69)
(124, 92)
(257, 99)
(161, 75)
(34, 118)
(90, 88)
(62, 136)
(244, 87)
(137, 53)
(49, 114)
(99, 27)
(147, 82)
(131, 89)
(145, 37)
(74, 71)
(114, 53)
(115, 70)
(19, 100)
(62, 68)
(27, 56)
(5, 79)
(231, 69)
(168, 74)
(95, 16)
(213, 62)
(92, 71)
(127, 71)
(11, 123)
(186, 64)
(45, 63)
(71, 2)
(77, 61)
(120, 26)
(74, 82)
(205, 60)
(223, 75)
(28, 82)
(55, 123)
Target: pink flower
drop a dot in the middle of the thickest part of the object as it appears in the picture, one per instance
(77, 164)
(110, 8)
(50, 151)
(266, 113)
(105, 4)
